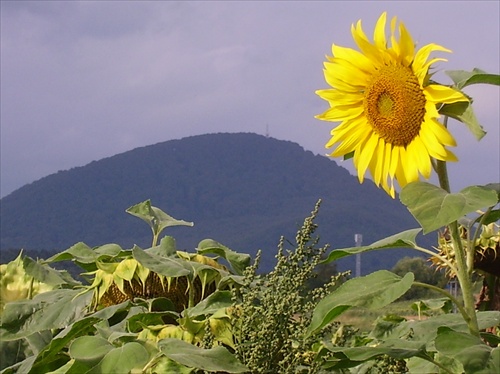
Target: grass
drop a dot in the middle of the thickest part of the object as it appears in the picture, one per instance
(364, 319)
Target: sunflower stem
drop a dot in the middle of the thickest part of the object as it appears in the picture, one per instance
(462, 258)
(445, 293)
(464, 278)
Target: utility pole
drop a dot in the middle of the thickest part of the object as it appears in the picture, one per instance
(358, 239)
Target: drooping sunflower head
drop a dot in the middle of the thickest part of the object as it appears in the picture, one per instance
(387, 106)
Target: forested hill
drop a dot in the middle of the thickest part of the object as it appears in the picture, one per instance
(243, 190)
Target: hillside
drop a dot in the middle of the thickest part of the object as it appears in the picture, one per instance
(243, 190)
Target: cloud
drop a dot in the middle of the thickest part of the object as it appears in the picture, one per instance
(85, 80)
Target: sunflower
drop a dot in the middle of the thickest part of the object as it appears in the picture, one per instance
(387, 106)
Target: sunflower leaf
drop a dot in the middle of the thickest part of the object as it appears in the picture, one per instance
(463, 78)
(238, 261)
(373, 291)
(405, 239)
(156, 218)
(167, 266)
(462, 111)
(217, 358)
(433, 207)
(473, 354)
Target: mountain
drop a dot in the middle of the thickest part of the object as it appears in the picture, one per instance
(241, 189)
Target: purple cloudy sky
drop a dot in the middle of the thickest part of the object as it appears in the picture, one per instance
(84, 80)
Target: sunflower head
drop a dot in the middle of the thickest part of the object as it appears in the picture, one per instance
(128, 279)
(387, 106)
(486, 249)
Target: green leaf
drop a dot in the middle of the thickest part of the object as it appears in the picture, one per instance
(373, 291)
(343, 357)
(80, 252)
(137, 322)
(45, 274)
(473, 354)
(405, 239)
(443, 304)
(156, 218)
(167, 266)
(214, 302)
(217, 359)
(463, 78)
(81, 327)
(46, 311)
(166, 365)
(166, 247)
(493, 216)
(434, 208)
(426, 329)
(124, 359)
(238, 261)
(89, 348)
(462, 111)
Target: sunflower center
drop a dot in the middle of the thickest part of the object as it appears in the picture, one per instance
(394, 104)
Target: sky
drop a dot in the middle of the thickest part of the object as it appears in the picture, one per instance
(85, 80)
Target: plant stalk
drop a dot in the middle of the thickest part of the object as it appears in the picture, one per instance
(463, 273)
(447, 294)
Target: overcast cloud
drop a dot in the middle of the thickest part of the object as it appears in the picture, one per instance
(81, 81)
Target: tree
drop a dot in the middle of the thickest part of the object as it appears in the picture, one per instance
(424, 273)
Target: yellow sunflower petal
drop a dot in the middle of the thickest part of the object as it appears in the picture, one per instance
(341, 113)
(408, 164)
(366, 47)
(355, 57)
(431, 142)
(394, 161)
(443, 94)
(450, 156)
(406, 45)
(379, 32)
(337, 96)
(348, 72)
(421, 57)
(421, 157)
(378, 160)
(442, 134)
(365, 155)
(394, 41)
(349, 140)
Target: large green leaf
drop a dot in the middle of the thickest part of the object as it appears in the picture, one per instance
(405, 239)
(80, 252)
(166, 365)
(45, 274)
(217, 359)
(89, 348)
(214, 302)
(166, 248)
(463, 78)
(238, 261)
(46, 311)
(475, 356)
(424, 306)
(373, 291)
(81, 327)
(462, 111)
(167, 266)
(124, 359)
(156, 218)
(433, 207)
(426, 329)
(344, 357)
(87, 257)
